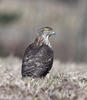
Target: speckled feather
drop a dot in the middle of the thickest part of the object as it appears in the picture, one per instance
(37, 61)
(38, 56)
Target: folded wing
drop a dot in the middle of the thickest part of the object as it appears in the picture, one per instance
(37, 61)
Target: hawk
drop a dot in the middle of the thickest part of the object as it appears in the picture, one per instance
(38, 56)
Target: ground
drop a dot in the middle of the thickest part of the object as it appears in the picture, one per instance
(66, 81)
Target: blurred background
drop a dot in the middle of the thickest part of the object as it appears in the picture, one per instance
(20, 20)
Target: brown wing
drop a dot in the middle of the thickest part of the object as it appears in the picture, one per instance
(37, 61)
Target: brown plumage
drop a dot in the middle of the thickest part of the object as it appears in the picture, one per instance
(38, 56)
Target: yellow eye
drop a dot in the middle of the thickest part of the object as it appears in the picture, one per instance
(47, 30)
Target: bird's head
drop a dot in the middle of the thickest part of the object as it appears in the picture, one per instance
(46, 32)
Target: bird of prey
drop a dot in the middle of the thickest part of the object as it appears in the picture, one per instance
(38, 56)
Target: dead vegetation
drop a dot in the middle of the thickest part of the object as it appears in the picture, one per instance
(64, 82)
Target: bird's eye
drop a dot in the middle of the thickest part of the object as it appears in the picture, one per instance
(47, 30)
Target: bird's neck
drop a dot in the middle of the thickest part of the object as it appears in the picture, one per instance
(42, 40)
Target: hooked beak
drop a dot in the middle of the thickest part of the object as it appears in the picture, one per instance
(53, 33)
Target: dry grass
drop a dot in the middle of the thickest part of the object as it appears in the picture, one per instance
(64, 82)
